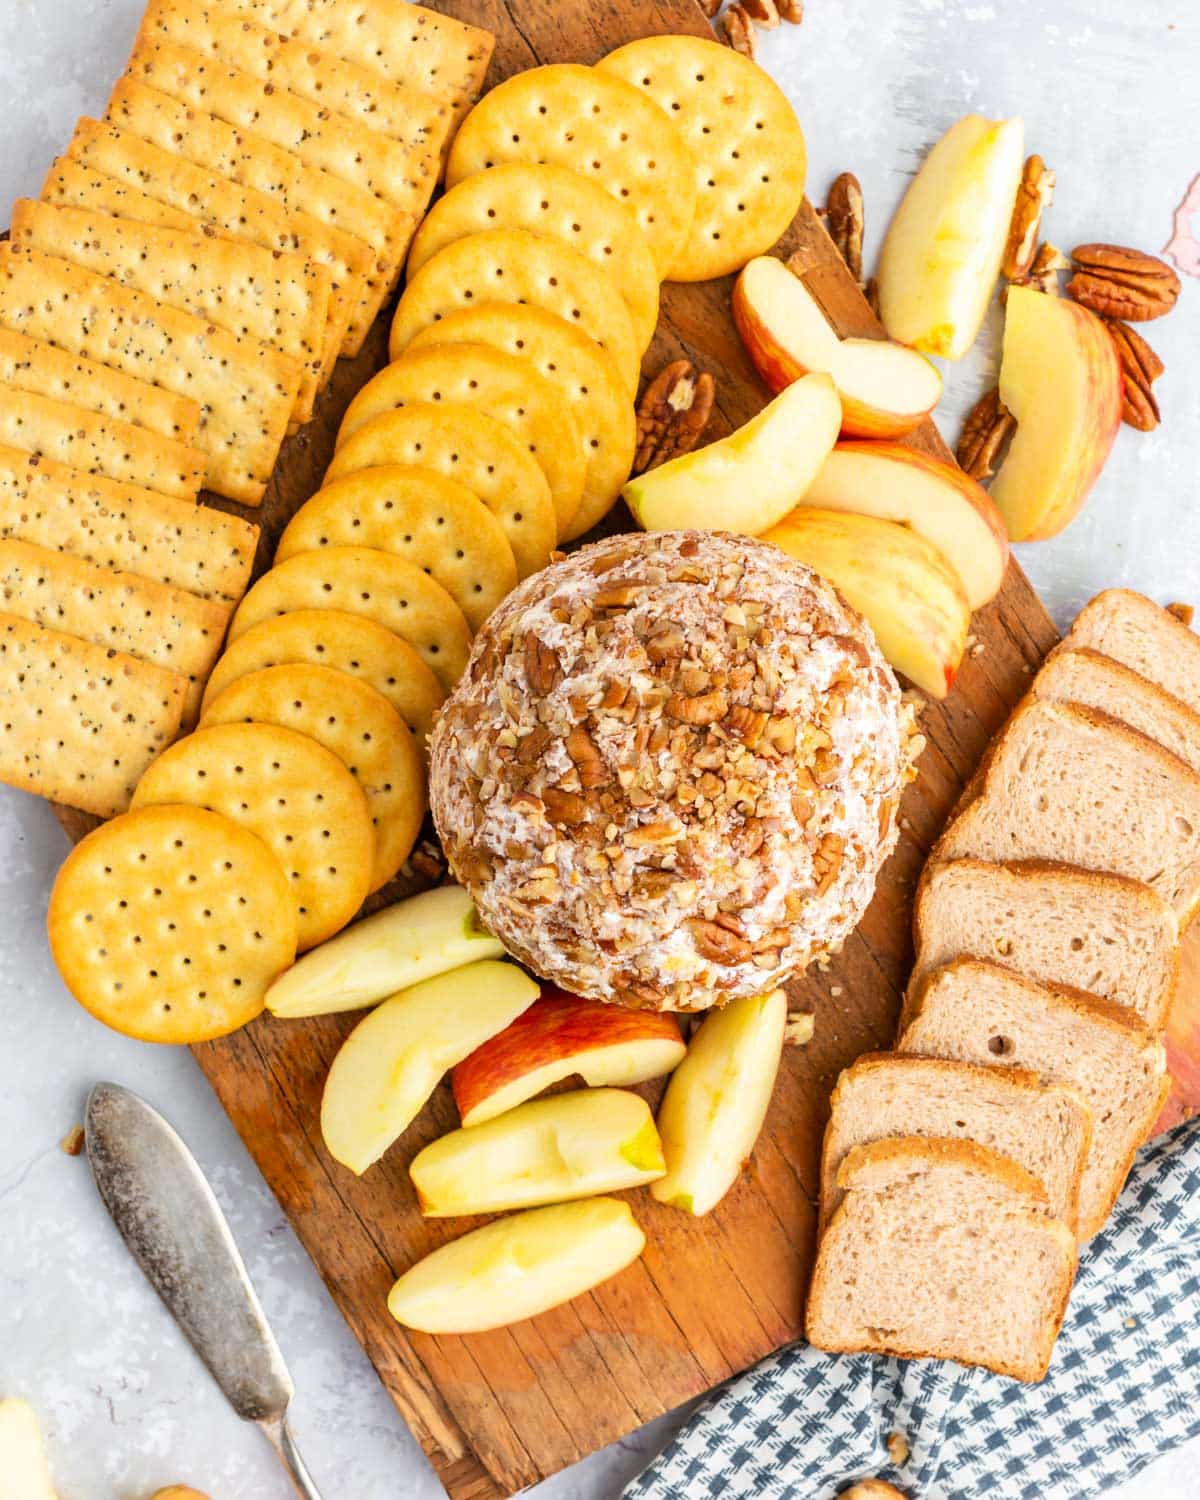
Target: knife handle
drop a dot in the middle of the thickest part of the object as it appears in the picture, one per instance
(279, 1435)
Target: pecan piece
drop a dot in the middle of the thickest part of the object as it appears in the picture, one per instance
(988, 426)
(1184, 613)
(791, 10)
(738, 30)
(718, 944)
(1042, 274)
(564, 807)
(763, 13)
(1118, 282)
(704, 708)
(710, 7)
(672, 414)
(1034, 196)
(588, 760)
(843, 219)
(542, 668)
(1141, 367)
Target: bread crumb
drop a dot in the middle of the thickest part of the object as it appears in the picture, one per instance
(897, 1447)
(72, 1143)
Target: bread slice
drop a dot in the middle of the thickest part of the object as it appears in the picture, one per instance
(1045, 1128)
(1071, 783)
(1106, 934)
(1143, 636)
(982, 1013)
(941, 1249)
(1085, 676)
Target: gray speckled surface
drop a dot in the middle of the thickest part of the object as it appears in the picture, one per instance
(1107, 93)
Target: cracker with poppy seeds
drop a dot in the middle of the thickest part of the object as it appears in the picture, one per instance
(291, 793)
(125, 528)
(96, 444)
(359, 726)
(246, 391)
(434, 522)
(385, 588)
(351, 643)
(500, 385)
(156, 623)
(474, 449)
(169, 924)
(79, 723)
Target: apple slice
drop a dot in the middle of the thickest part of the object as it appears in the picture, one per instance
(944, 246)
(744, 482)
(517, 1267)
(907, 591)
(24, 1472)
(936, 499)
(717, 1099)
(547, 1151)
(414, 940)
(1061, 379)
(885, 388)
(559, 1036)
(394, 1058)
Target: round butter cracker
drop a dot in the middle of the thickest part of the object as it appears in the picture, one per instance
(583, 373)
(474, 449)
(169, 924)
(296, 796)
(746, 145)
(512, 265)
(356, 724)
(561, 205)
(597, 125)
(364, 581)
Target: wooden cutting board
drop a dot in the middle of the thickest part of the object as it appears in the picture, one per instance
(499, 1411)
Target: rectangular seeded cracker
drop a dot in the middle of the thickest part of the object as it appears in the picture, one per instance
(254, 294)
(31, 365)
(72, 184)
(225, 208)
(125, 528)
(98, 444)
(406, 114)
(80, 723)
(155, 623)
(246, 391)
(367, 232)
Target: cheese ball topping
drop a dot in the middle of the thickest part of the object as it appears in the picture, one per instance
(671, 772)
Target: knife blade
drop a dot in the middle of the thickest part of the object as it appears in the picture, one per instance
(166, 1213)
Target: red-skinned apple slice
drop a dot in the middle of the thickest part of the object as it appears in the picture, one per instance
(559, 1036)
(936, 499)
(1061, 379)
(885, 388)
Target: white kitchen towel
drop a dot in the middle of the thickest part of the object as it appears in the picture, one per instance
(1123, 1386)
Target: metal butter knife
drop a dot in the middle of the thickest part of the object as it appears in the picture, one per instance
(166, 1213)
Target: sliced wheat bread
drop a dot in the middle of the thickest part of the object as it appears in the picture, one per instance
(982, 1013)
(1085, 676)
(1144, 637)
(942, 1249)
(1071, 783)
(1106, 934)
(1045, 1128)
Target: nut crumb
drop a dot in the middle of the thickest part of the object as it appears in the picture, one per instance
(72, 1143)
(1184, 613)
(897, 1447)
(799, 1029)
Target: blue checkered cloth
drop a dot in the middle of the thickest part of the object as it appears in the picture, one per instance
(1123, 1387)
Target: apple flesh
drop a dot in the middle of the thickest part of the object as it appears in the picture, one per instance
(547, 1151)
(744, 482)
(416, 939)
(944, 246)
(517, 1267)
(1061, 379)
(885, 388)
(900, 583)
(393, 1060)
(934, 498)
(559, 1036)
(24, 1472)
(717, 1099)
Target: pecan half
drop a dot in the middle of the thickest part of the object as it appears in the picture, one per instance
(1141, 367)
(738, 30)
(763, 13)
(1042, 274)
(1034, 196)
(1118, 282)
(843, 217)
(672, 414)
(988, 426)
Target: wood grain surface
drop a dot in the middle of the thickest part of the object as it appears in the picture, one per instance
(499, 1411)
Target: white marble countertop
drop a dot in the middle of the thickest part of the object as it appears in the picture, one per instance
(1106, 90)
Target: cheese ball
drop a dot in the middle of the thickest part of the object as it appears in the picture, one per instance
(671, 772)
